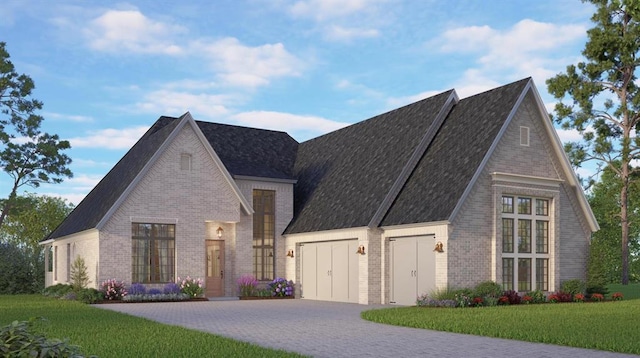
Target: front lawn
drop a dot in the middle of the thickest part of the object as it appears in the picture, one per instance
(609, 326)
(111, 334)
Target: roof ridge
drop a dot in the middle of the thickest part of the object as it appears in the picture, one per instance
(413, 160)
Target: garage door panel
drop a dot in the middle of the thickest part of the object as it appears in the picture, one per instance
(332, 268)
(354, 279)
(324, 272)
(426, 265)
(403, 286)
(309, 263)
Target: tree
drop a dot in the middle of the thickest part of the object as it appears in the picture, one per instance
(605, 101)
(30, 157)
(79, 274)
(604, 257)
(32, 219)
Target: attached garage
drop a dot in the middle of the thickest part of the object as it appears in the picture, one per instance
(330, 271)
(413, 268)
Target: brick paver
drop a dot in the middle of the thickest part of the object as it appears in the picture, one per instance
(328, 329)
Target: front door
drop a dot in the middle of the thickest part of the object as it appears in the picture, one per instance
(214, 283)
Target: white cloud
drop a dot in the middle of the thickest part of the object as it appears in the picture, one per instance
(88, 163)
(130, 30)
(245, 66)
(328, 9)
(110, 138)
(68, 117)
(340, 33)
(286, 122)
(527, 49)
(395, 102)
(175, 103)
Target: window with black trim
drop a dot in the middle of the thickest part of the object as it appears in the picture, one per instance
(525, 243)
(152, 253)
(263, 234)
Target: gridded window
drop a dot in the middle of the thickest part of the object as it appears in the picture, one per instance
(524, 235)
(524, 206)
(507, 204)
(152, 253)
(507, 235)
(263, 234)
(507, 274)
(525, 242)
(542, 207)
(542, 274)
(542, 237)
(524, 275)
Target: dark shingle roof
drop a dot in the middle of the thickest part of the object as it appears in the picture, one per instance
(97, 203)
(243, 151)
(443, 173)
(252, 152)
(343, 176)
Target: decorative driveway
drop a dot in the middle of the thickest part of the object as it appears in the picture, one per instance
(328, 329)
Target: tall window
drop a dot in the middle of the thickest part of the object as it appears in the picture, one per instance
(152, 253)
(263, 234)
(525, 243)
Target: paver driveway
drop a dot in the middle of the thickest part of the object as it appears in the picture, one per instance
(327, 329)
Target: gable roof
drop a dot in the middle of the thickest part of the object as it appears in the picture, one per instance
(266, 146)
(344, 176)
(449, 165)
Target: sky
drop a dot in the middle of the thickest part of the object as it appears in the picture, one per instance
(106, 71)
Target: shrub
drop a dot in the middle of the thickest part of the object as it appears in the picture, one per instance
(137, 289)
(89, 295)
(426, 301)
(79, 275)
(171, 288)
(537, 296)
(487, 289)
(512, 296)
(57, 290)
(191, 287)
(462, 300)
(553, 298)
(503, 300)
(578, 297)
(564, 296)
(573, 286)
(526, 299)
(597, 297)
(617, 296)
(113, 289)
(477, 302)
(154, 291)
(17, 274)
(19, 341)
(597, 288)
(247, 285)
(281, 287)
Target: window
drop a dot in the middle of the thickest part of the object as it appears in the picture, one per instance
(524, 136)
(55, 263)
(525, 243)
(49, 258)
(185, 161)
(152, 253)
(68, 262)
(263, 234)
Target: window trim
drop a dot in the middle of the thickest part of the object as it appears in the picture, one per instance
(149, 277)
(265, 252)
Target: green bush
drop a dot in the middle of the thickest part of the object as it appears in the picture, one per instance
(573, 286)
(596, 288)
(16, 274)
(19, 341)
(57, 290)
(537, 296)
(89, 295)
(487, 289)
(449, 293)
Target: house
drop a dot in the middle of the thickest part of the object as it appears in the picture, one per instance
(441, 192)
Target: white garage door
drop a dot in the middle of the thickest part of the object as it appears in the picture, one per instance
(330, 271)
(413, 268)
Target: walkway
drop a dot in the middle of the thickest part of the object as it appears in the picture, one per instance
(326, 329)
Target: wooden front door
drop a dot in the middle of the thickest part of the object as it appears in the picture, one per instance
(214, 283)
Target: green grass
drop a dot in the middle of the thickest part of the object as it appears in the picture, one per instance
(609, 326)
(630, 291)
(111, 334)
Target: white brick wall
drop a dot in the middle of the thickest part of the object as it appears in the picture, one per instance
(83, 244)
(195, 200)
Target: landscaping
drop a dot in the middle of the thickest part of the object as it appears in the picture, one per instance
(597, 321)
(110, 334)
(249, 288)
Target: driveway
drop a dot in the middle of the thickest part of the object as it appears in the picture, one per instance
(328, 329)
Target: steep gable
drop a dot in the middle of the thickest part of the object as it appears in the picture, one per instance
(444, 172)
(344, 176)
(104, 195)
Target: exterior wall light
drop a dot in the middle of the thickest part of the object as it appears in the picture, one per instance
(290, 253)
(438, 247)
(360, 250)
(219, 231)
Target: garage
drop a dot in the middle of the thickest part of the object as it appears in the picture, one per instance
(330, 271)
(413, 268)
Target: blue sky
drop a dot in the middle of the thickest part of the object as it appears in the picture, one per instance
(107, 70)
